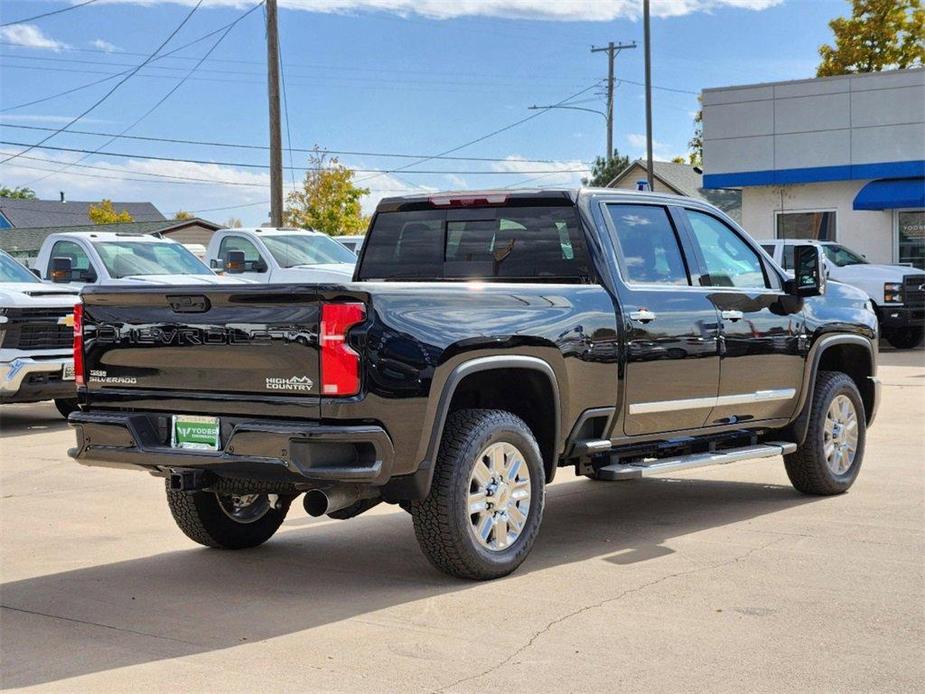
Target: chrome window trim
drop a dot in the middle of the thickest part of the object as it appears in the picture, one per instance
(712, 401)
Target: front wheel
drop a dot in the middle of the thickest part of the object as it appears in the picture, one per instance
(830, 457)
(485, 505)
(905, 338)
(227, 521)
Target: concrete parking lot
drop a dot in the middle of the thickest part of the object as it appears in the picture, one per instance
(716, 579)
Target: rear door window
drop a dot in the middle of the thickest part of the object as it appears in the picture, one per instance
(539, 244)
(650, 252)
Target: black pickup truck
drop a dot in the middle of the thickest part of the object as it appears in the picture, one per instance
(487, 339)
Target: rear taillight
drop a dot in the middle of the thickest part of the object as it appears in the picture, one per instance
(340, 365)
(79, 344)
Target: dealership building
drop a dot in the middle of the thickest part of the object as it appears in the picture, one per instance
(835, 158)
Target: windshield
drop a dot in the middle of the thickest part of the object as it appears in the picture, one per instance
(841, 256)
(307, 249)
(11, 271)
(127, 258)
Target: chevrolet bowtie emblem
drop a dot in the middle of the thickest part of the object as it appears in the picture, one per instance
(67, 320)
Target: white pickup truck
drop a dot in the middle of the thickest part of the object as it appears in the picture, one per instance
(36, 338)
(897, 291)
(106, 257)
(279, 256)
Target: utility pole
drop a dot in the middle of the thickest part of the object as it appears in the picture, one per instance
(276, 138)
(648, 51)
(612, 49)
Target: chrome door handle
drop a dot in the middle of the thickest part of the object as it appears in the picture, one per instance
(731, 315)
(643, 316)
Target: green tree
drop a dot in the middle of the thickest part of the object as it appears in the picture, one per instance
(183, 215)
(695, 144)
(879, 35)
(17, 193)
(603, 171)
(105, 213)
(329, 200)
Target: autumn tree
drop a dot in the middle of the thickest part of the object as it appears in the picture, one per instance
(879, 35)
(329, 200)
(17, 193)
(183, 215)
(105, 213)
(603, 171)
(233, 223)
(695, 144)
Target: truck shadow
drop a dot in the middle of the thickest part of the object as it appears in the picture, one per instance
(21, 420)
(182, 603)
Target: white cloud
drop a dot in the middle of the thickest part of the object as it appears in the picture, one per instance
(167, 194)
(554, 173)
(660, 150)
(104, 45)
(557, 10)
(29, 36)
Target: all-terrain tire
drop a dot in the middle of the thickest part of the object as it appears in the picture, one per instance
(905, 338)
(808, 468)
(442, 522)
(201, 518)
(66, 406)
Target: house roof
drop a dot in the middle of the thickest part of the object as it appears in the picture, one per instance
(30, 214)
(683, 179)
(19, 241)
(687, 180)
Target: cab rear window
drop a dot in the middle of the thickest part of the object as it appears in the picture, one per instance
(534, 244)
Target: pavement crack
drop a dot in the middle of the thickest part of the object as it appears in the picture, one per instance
(98, 624)
(597, 605)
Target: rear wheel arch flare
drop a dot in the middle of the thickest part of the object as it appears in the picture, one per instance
(525, 386)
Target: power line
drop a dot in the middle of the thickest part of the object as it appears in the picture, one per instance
(123, 155)
(164, 98)
(236, 145)
(479, 79)
(110, 77)
(111, 91)
(482, 138)
(49, 14)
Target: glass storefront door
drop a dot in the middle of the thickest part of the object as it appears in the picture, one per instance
(910, 232)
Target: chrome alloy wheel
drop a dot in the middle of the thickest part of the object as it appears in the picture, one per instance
(499, 496)
(245, 508)
(840, 438)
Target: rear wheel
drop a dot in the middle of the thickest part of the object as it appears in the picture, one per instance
(905, 338)
(830, 457)
(227, 521)
(485, 505)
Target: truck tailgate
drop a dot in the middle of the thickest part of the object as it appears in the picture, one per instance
(251, 341)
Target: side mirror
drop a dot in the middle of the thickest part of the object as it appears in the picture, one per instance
(61, 270)
(35, 271)
(260, 266)
(809, 272)
(234, 262)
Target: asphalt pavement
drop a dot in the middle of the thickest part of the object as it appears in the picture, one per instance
(719, 579)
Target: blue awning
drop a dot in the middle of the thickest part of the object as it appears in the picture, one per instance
(891, 194)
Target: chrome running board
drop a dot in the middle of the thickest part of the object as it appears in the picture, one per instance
(620, 471)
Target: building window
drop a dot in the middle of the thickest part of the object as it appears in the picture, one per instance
(911, 237)
(815, 226)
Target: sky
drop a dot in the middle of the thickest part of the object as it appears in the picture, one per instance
(369, 78)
